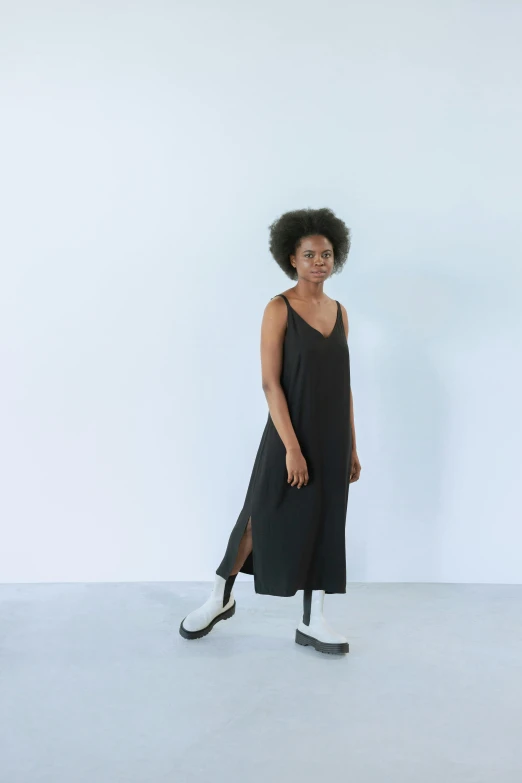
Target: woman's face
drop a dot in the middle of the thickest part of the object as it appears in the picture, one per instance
(313, 258)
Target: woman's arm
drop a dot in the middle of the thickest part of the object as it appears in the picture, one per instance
(352, 422)
(272, 335)
(356, 465)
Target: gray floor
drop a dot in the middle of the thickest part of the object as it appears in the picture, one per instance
(97, 686)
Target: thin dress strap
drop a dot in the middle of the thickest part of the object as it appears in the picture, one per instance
(339, 315)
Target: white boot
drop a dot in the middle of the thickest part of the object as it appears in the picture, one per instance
(220, 605)
(317, 632)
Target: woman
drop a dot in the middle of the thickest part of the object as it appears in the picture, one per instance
(290, 533)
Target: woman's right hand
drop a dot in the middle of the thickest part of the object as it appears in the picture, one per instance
(297, 468)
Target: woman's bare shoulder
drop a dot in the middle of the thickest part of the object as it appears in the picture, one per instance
(275, 304)
(275, 312)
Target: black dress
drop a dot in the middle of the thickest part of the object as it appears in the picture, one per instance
(298, 535)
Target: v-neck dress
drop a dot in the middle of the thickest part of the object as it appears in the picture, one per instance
(298, 535)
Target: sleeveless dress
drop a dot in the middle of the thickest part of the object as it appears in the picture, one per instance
(298, 535)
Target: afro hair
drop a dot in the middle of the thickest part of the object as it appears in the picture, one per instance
(288, 230)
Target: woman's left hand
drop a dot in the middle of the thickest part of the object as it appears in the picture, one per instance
(355, 471)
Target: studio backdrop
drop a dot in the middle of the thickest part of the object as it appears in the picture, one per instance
(146, 147)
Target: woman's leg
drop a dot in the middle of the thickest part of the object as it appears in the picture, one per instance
(245, 547)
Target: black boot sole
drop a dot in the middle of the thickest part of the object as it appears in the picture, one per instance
(324, 647)
(204, 631)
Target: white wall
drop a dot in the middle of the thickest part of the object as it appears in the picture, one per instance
(145, 149)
